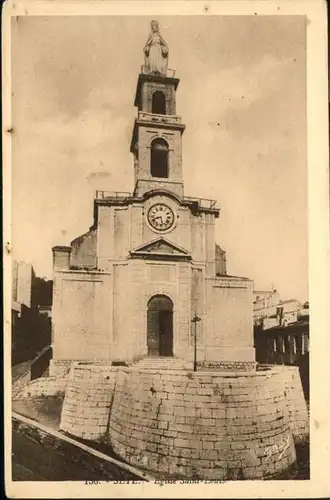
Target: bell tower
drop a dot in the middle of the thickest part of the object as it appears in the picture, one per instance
(157, 135)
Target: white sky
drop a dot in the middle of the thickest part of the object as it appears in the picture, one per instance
(242, 96)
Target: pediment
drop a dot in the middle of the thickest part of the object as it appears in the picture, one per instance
(160, 247)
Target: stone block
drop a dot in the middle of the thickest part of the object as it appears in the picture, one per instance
(166, 409)
(185, 452)
(163, 425)
(201, 464)
(170, 433)
(208, 445)
(204, 412)
(179, 410)
(165, 417)
(206, 421)
(173, 426)
(182, 443)
(190, 390)
(205, 391)
(219, 414)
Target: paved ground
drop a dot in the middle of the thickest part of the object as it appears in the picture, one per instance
(20, 369)
(46, 410)
(33, 460)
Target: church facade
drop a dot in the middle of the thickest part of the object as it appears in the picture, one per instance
(131, 286)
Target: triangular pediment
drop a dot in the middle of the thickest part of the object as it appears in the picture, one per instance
(160, 247)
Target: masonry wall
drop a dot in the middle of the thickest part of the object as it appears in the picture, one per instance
(228, 321)
(295, 403)
(206, 425)
(44, 386)
(81, 320)
(173, 138)
(121, 229)
(149, 278)
(226, 341)
(88, 399)
(90, 320)
(83, 253)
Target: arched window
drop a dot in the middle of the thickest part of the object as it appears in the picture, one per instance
(158, 103)
(159, 158)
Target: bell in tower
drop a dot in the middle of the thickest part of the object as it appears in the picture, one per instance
(156, 140)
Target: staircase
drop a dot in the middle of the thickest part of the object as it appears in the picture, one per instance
(163, 363)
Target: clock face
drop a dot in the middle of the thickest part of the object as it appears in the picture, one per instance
(160, 217)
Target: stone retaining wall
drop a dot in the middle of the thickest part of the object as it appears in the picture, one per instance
(18, 385)
(44, 386)
(208, 425)
(87, 401)
(59, 368)
(295, 404)
(36, 368)
(202, 425)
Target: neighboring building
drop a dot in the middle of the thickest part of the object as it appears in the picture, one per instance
(270, 311)
(264, 305)
(45, 311)
(286, 342)
(23, 280)
(30, 331)
(131, 285)
(282, 345)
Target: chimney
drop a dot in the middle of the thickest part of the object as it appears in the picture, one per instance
(61, 257)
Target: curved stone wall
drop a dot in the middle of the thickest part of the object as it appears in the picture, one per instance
(207, 425)
(295, 404)
(87, 401)
(43, 386)
(202, 425)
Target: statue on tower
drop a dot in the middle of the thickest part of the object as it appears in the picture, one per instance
(156, 52)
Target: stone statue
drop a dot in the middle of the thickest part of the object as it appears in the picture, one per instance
(156, 51)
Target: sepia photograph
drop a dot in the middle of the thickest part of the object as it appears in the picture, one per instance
(159, 249)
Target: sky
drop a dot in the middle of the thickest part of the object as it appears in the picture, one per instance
(242, 97)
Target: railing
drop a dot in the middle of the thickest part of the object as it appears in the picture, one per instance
(159, 118)
(170, 73)
(202, 202)
(102, 194)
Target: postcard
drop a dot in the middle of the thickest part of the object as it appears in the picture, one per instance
(166, 249)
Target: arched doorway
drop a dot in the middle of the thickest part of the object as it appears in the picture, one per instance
(160, 326)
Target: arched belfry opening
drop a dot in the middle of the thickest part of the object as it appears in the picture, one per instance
(159, 158)
(160, 326)
(158, 103)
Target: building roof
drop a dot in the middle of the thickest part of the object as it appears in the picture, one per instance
(287, 330)
(287, 301)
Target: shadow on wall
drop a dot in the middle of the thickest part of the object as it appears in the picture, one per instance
(31, 332)
(303, 364)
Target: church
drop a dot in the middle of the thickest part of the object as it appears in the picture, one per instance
(148, 280)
